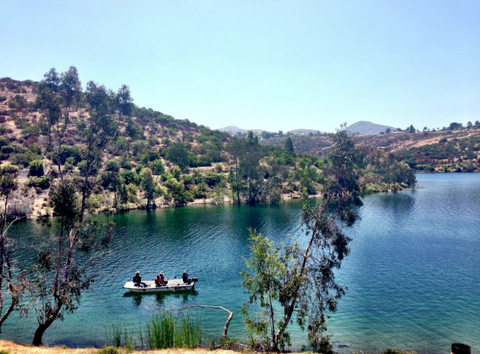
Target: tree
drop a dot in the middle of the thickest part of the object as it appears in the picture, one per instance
(59, 277)
(150, 186)
(56, 281)
(251, 170)
(411, 129)
(455, 126)
(236, 148)
(469, 125)
(263, 284)
(289, 145)
(9, 286)
(57, 95)
(178, 154)
(388, 131)
(303, 279)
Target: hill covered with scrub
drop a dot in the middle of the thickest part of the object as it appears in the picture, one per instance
(132, 157)
(455, 148)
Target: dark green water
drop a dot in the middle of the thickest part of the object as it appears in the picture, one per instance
(413, 273)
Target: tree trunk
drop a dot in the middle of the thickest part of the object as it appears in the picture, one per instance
(37, 338)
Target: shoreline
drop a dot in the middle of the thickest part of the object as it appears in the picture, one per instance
(12, 347)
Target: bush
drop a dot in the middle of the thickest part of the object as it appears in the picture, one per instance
(13, 104)
(130, 177)
(4, 142)
(109, 350)
(150, 155)
(7, 149)
(112, 166)
(10, 169)
(157, 167)
(81, 125)
(212, 178)
(2, 98)
(127, 164)
(39, 182)
(36, 168)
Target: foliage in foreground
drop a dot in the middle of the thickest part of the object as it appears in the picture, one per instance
(164, 330)
(294, 282)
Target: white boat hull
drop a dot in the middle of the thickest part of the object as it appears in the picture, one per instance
(173, 286)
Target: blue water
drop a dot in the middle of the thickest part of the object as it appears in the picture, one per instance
(413, 273)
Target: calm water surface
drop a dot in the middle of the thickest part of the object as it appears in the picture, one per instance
(413, 273)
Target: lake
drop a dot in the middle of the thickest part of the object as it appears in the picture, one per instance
(413, 275)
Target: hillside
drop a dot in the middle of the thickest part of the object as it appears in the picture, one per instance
(236, 130)
(368, 128)
(430, 151)
(133, 157)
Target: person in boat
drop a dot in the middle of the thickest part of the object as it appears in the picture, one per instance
(159, 281)
(137, 279)
(163, 279)
(185, 277)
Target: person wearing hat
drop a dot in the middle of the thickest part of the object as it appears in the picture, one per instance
(158, 280)
(163, 279)
(137, 279)
(185, 277)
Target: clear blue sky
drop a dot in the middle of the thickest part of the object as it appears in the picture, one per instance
(272, 65)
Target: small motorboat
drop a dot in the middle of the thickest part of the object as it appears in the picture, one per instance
(173, 286)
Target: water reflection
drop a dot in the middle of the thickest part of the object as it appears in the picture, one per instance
(162, 298)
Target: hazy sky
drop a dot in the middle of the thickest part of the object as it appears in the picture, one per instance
(272, 65)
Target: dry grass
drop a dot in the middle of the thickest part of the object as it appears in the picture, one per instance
(18, 348)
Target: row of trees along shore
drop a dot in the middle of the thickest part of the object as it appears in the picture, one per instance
(96, 142)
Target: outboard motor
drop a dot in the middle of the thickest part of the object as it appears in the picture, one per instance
(194, 279)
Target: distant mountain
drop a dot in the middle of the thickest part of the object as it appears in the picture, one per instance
(367, 128)
(234, 130)
(304, 131)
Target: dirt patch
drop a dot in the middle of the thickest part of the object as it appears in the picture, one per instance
(18, 348)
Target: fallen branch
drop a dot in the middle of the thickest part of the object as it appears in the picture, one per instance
(227, 323)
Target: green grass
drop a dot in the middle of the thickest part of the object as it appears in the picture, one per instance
(167, 331)
(164, 330)
(120, 336)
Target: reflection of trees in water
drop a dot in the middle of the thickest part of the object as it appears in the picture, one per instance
(161, 298)
(398, 204)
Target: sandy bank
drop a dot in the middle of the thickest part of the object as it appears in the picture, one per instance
(18, 348)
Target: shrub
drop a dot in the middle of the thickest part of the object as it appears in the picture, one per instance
(36, 168)
(2, 98)
(4, 142)
(81, 125)
(13, 104)
(109, 350)
(29, 130)
(212, 178)
(39, 182)
(157, 167)
(112, 166)
(10, 169)
(152, 141)
(126, 164)
(130, 177)
(150, 155)
(7, 149)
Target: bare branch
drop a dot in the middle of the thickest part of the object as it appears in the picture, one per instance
(227, 323)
